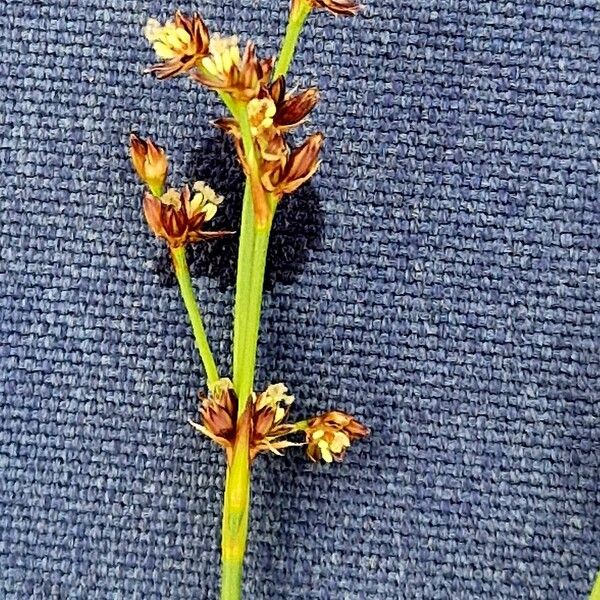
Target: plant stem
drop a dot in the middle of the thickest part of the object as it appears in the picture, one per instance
(236, 508)
(290, 41)
(247, 363)
(250, 274)
(252, 256)
(187, 293)
(242, 286)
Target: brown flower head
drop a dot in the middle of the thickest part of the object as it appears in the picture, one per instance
(179, 216)
(150, 163)
(337, 7)
(269, 414)
(225, 70)
(274, 111)
(263, 421)
(286, 174)
(180, 43)
(329, 436)
(219, 415)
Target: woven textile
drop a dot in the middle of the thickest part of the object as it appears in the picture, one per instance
(440, 280)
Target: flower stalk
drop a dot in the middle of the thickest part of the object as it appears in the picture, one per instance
(244, 382)
(252, 255)
(182, 273)
(290, 41)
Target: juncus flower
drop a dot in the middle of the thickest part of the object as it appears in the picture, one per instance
(328, 436)
(180, 44)
(150, 163)
(225, 70)
(263, 420)
(179, 216)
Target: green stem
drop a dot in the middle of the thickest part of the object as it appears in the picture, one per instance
(187, 292)
(252, 255)
(254, 239)
(229, 102)
(300, 425)
(247, 361)
(290, 41)
(595, 594)
(236, 508)
(242, 286)
(247, 139)
(244, 340)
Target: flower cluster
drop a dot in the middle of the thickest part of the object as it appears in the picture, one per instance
(327, 436)
(262, 111)
(224, 70)
(177, 216)
(272, 114)
(180, 43)
(265, 417)
(184, 45)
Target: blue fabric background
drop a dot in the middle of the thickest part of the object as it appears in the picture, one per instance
(440, 279)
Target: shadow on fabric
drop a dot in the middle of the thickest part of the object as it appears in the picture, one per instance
(297, 229)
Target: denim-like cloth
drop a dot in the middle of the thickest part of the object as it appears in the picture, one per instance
(439, 279)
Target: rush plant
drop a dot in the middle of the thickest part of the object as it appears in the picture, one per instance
(261, 113)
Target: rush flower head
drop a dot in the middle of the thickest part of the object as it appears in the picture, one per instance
(179, 216)
(328, 436)
(150, 163)
(274, 111)
(225, 70)
(218, 412)
(180, 43)
(337, 7)
(294, 168)
(263, 420)
(269, 414)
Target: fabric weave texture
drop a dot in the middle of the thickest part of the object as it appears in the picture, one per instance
(439, 279)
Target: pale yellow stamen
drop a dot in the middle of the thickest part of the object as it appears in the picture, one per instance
(224, 55)
(325, 452)
(276, 397)
(261, 113)
(168, 40)
(339, 443)
(205, 200)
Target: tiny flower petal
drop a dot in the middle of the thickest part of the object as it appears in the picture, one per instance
(294, 109)
(298, 167)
